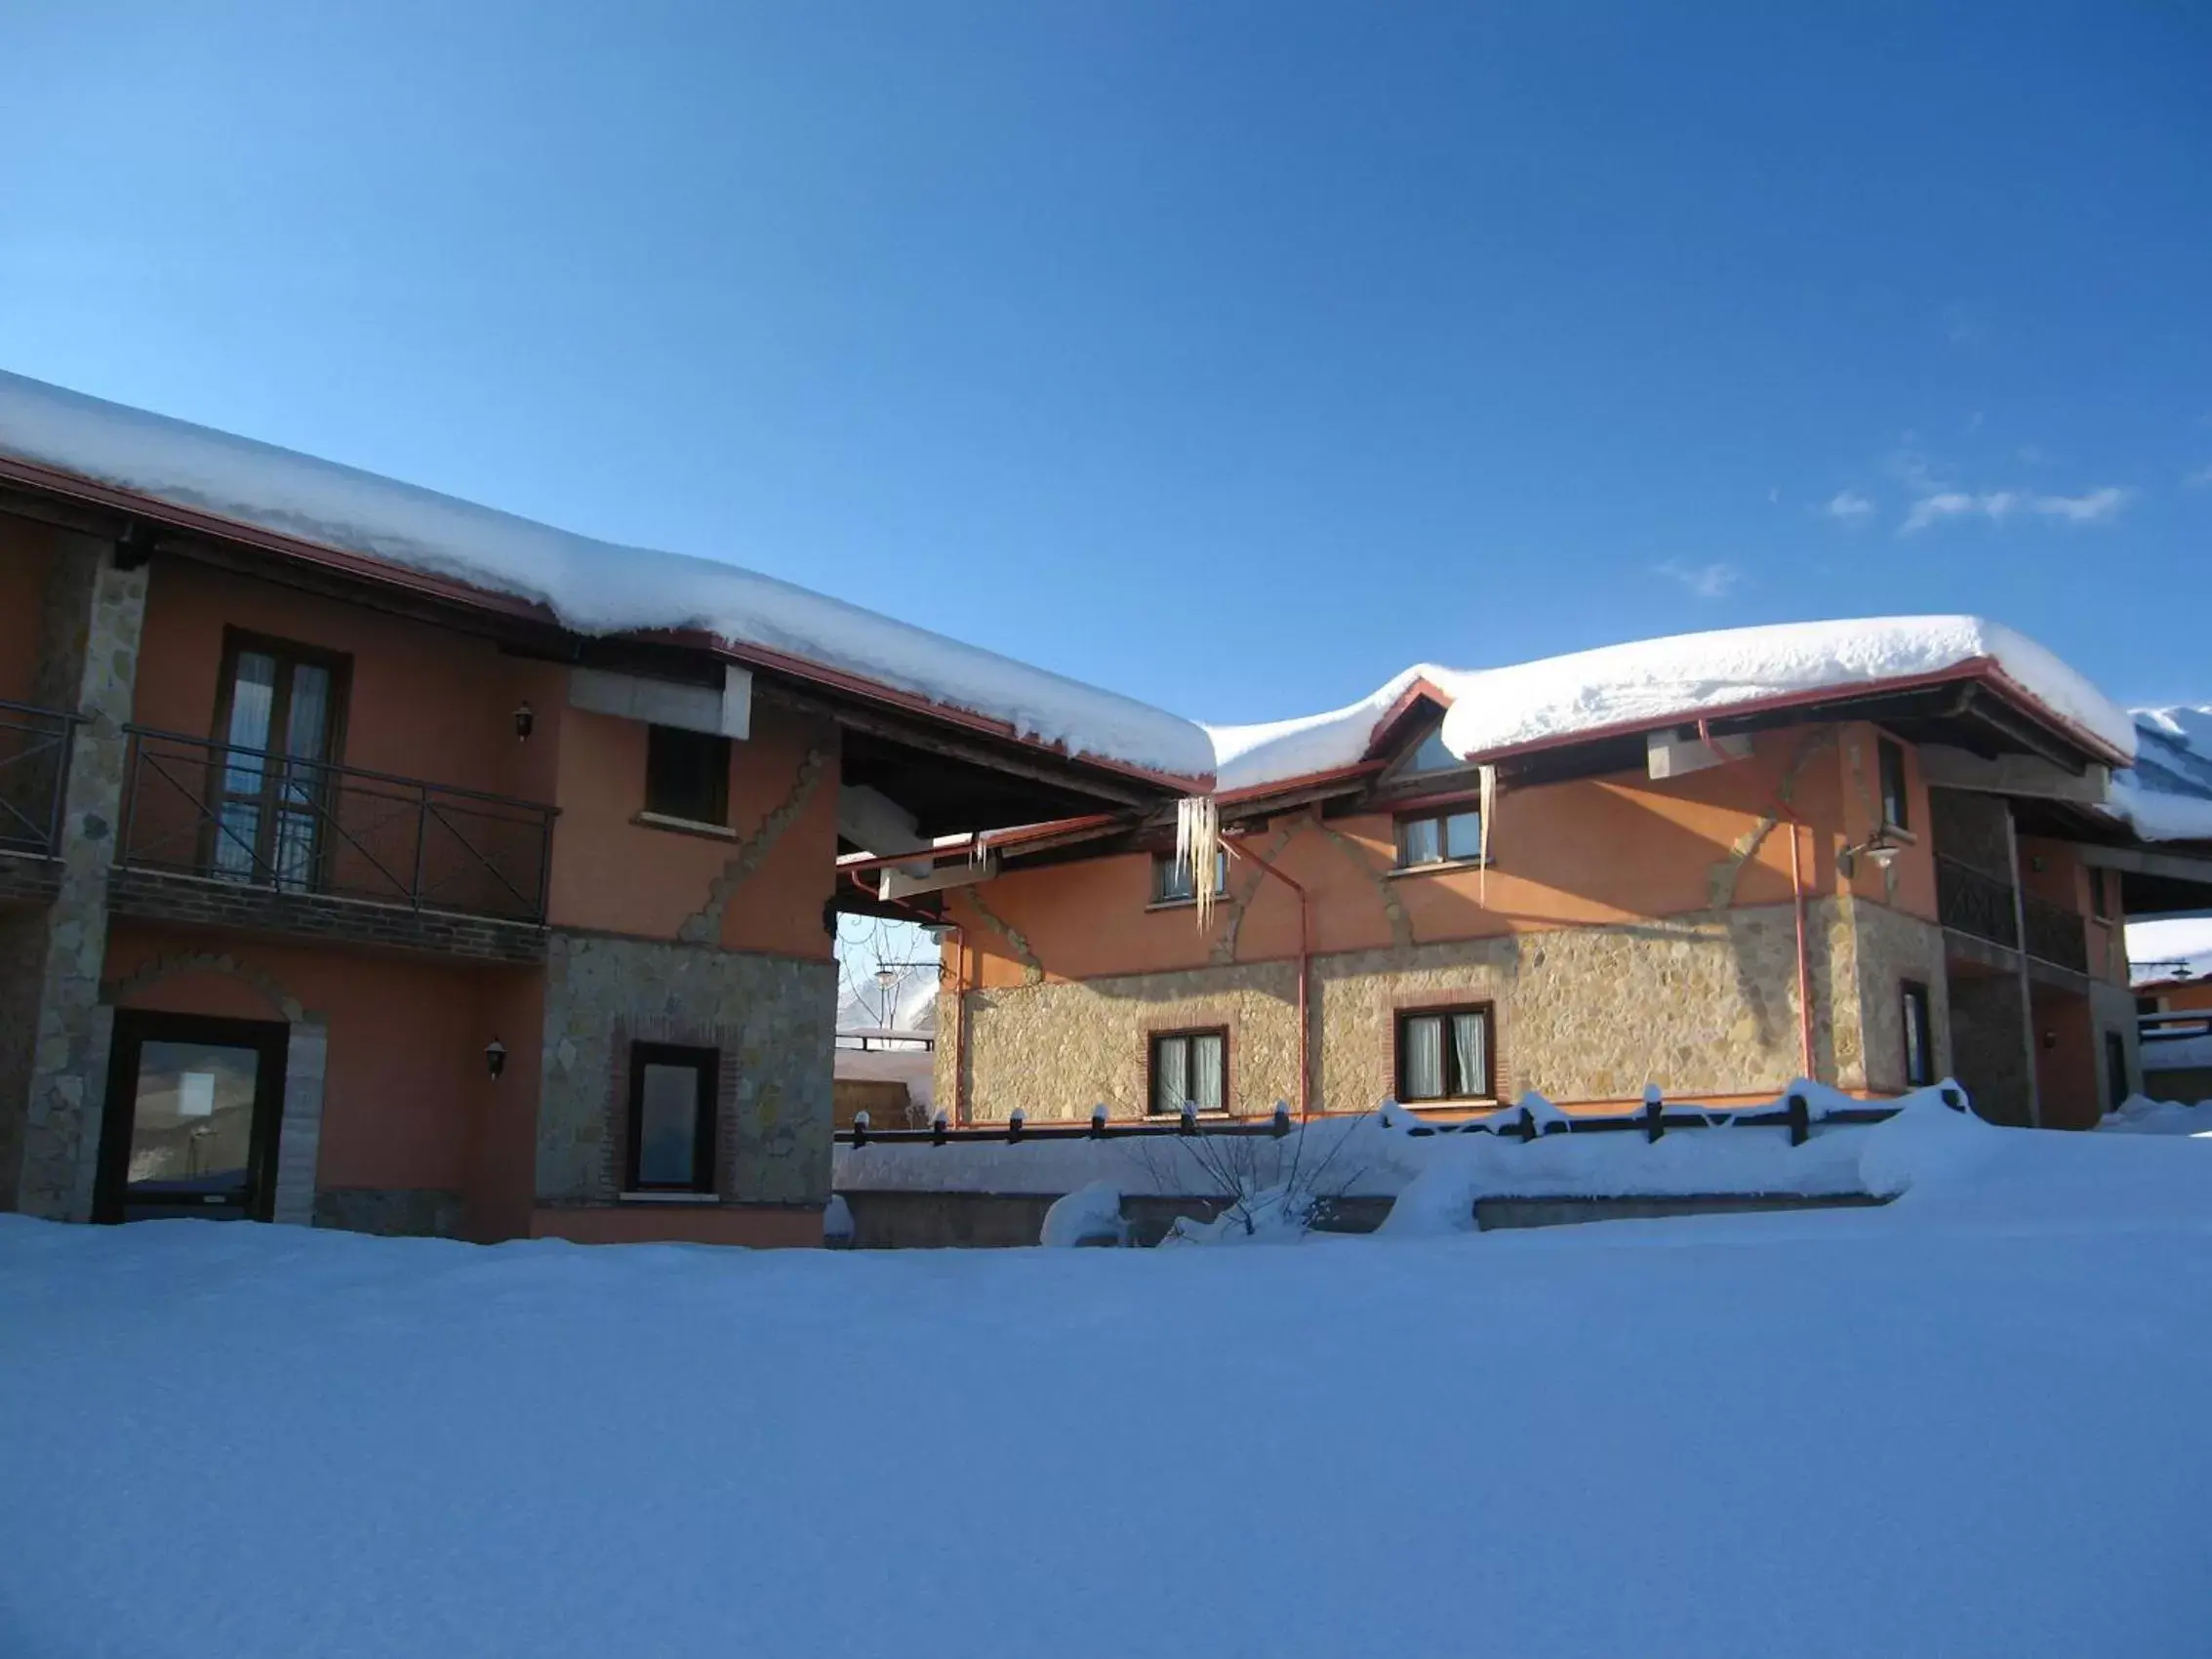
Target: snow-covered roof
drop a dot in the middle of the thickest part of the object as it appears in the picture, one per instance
(2166, 795)
(1652, 682)
(590, 585)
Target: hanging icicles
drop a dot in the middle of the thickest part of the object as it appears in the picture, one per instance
(1197, 849)
(1488, 807)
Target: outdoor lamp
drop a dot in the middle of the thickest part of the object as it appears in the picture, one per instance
(1877, 849)
(495, 1057)
(525, 717)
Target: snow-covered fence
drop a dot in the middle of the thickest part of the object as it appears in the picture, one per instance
(1530, 1119)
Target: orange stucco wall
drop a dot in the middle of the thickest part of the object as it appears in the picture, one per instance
(613, 873)
(25, 553)
(2053, 871)
(406, 1084)
(1580, 854)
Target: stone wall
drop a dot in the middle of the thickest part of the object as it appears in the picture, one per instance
(1989, 1040)
(22, 970)
(1058, 1050)
(89, 647)
(392, 1212)
(1889, 948)
(772, 1018)
(1700, 1004)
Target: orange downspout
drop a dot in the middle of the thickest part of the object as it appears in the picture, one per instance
(1804, 959)
(1305, 965)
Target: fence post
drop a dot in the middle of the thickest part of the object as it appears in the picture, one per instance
(1800, 1119)
(1528, 1124)
(1098, 1121)
(1281, 1124)
(859, 1128)
(1952, 1098)
(1188, 1123)
(1655, 1116)
(1014, 1122)
(937, 1130)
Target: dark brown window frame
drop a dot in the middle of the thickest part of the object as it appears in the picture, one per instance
(2100, 894)
(1162, 862)
(1889, 754)
(708, 1063)
(1180, 1034)
(133, 1027)
(289, 654)
(1919, 1069)
(1413, 1011)
(1437, 814)
(657, 736)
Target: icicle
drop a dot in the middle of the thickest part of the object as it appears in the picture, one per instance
(1488, 807)
(1197, 849)
(977, 850)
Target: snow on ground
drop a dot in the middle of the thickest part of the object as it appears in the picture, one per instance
(593, 586)
(1969, 1423)
(2140, 1114)
(1650, 682)
(1378, 1154)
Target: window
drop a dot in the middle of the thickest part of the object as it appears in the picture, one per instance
(1919, 1039)
(1443, 837)
(1444, 1054)
(1432, 755)
(1895, 800)
(2100, 898)
(671, 1119)
(1171, 879)
(687, 775)
(2118, 1086)
(2149, 1004)
(1189, 1068)
(279, 718)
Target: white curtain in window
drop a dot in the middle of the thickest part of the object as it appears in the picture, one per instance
(1206, 1072)
(1170, 1073)
(1469, 1054)
(1419, 841)
(1424, 1057)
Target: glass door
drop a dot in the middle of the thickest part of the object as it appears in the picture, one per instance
(193, 1107)
(279, 720)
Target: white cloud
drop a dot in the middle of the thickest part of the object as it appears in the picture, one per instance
(1703, 580)
(2092, 508)
(1849, 506)
(1997, 506)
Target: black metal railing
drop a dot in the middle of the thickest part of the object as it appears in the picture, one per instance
(2055, 934)
(1975, 904)
(193, 807)
(34, 777)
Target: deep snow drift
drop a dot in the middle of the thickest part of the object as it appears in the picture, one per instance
(1969, 1423)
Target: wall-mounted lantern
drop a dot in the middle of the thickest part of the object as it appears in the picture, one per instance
(525, 717)
(1878, 850)
(495, 1057)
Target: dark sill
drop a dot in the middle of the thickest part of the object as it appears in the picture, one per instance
(1182, 904)
(650, 1197)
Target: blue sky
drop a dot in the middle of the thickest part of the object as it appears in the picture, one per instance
(1234, 355)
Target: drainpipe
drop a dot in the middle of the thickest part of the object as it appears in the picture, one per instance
(1804, 958)
(1304, 972)
(2020, 953)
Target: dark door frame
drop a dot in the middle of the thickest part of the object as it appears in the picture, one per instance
(134, 1029)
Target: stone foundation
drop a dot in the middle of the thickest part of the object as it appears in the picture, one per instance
(1702, 1004)
(772, 1018)
(403, 1212)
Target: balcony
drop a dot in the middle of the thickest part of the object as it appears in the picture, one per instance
(35, 779)
(220, 835)
(1981, 906)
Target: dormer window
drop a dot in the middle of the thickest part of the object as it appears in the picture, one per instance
(1432, 755)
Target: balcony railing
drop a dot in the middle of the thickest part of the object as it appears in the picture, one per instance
(1971, 903)
(34, 777)
(192, 807)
